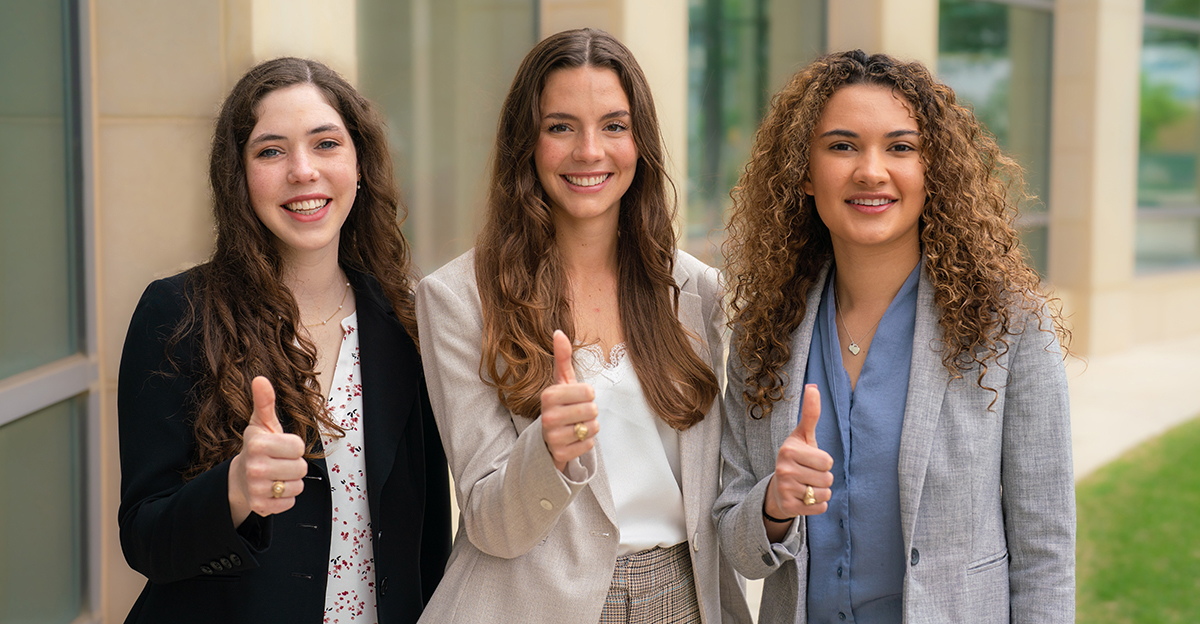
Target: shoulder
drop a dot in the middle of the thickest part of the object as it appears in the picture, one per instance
(164, 301)
(458, 276)
(693, 275)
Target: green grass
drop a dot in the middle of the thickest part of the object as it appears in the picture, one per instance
(1139, 534)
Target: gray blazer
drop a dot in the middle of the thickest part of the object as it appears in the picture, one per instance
(987, 499)
(531, 546)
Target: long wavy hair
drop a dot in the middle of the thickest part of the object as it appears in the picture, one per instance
(777, 243)
(519, 268)
(242, 317)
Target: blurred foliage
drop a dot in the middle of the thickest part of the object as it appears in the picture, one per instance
(1159, 108)
(978, 27)
(1175, 8)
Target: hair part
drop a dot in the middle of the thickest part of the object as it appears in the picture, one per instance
(519, 269)
(243, 317)
(777, 243)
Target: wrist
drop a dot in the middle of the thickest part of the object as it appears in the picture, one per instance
(769, 518)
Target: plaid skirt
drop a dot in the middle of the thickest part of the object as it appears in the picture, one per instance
(653, 586)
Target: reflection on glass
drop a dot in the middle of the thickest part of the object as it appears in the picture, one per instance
(739, 53)
(998, 60)
(39, 284)
(440, 69)
(1168, 232)
(41, 553)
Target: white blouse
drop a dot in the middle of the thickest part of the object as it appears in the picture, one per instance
(640, 453)
(350, 588)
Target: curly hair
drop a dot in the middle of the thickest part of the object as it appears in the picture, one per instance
(778, 245)
(242, 316)
(521, 277)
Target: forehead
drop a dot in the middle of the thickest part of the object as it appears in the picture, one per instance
(299, 103)
(583, 86)
(865, 107)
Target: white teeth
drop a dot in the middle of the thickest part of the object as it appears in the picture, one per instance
(307, 206)
(586, 180)
(871, 202)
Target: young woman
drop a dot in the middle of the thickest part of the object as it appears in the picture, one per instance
(586, 459)
(279, 459)
(897, 439)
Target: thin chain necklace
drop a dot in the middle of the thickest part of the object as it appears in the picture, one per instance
(853, 347)
(339, 308)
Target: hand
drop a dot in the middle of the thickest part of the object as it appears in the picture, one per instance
(566, 404)
(800, 464)
(268, 455)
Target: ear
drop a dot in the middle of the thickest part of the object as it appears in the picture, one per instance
(806, 186)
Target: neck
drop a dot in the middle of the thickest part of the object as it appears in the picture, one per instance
(587, 248)
(314, 280)
(871, 279)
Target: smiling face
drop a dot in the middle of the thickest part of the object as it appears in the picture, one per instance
(585, 155)
(865, 170)
(301, 170)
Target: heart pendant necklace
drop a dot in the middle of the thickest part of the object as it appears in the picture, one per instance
(853, 347)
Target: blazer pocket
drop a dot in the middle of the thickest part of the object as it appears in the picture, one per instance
(987, 563)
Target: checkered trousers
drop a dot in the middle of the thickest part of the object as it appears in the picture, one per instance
(653, 586)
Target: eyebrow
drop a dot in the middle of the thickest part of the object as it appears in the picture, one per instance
(613, 115)
(854, 135)
(275, 137)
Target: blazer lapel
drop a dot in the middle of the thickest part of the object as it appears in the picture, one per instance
(926, 388)
(694, 471)
(786, 414)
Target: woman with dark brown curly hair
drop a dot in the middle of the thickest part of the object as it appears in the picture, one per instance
(588, 500)
(897, 439)
(279, 458)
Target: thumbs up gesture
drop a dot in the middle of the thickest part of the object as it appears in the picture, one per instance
(569, 409)
(266, 476)
(800, 465)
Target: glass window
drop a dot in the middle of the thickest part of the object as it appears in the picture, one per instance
(1168, 225)
(41, 482)
(739, 53)
(998, 58)
(440, 70)
(39, 276)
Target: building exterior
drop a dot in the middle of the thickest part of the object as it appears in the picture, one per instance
(107, 105)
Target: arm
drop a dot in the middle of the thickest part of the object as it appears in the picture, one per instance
(508, 488)
(169, 528)
(1036, 476)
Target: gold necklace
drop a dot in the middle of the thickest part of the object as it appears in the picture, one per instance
(853, 347)
(339, 308)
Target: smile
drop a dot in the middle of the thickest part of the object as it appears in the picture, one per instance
(308, 206)
(586, 181)
(870, 202)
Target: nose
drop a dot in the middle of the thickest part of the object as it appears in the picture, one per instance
(587, 147)
(872, 169)
(301, 169)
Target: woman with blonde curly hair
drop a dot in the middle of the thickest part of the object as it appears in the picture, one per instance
(897, 439)
(585, 460)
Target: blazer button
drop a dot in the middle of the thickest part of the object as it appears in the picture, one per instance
(205, 569)
(237, 561)
(379, 537)
(383, 587)
(216, 565)
(916, 556)
(226, 563)
(766, 557)
(547, 505)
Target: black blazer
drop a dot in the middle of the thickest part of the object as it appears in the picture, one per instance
(179, 534)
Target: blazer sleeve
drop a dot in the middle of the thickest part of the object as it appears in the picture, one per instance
(509, 492)
(1038, 488)
(170, 529)
(435, 539)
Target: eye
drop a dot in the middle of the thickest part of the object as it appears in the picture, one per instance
(615, 126)
(841, 147)
(903, 147)
(558, 128)
(327, 144)
(270, 152)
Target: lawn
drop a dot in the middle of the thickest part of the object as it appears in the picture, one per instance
(1139, 534)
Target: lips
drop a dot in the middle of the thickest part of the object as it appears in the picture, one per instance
(587, 180)
(307, 206)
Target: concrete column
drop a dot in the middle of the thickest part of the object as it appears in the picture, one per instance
(1094, 147)
(656, 32)
(906, 29)
(324, 30)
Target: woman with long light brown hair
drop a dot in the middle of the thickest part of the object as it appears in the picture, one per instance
(585, 460)
(897, 439)
(279, 458)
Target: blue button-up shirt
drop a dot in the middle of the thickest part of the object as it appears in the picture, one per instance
(856, 550)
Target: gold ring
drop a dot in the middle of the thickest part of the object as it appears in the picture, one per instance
(277, 489)
(810, 497)
(581, 431)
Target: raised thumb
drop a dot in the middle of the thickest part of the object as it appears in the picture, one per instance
(810, 413)
(564, 371)
(264, 405)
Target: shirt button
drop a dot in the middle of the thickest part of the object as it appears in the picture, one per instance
(547, 505)
(841, 524)
(839, 573)
(841, 616)
(916, 556)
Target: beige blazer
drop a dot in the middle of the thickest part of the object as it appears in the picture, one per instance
(531, 545)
